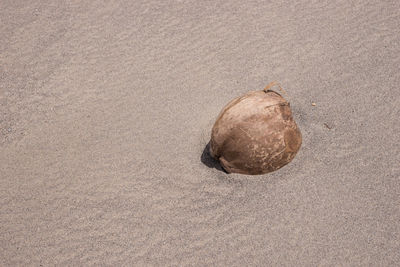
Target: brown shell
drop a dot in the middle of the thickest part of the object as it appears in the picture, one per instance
(255, 134)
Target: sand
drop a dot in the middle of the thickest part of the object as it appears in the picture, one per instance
(106, 108)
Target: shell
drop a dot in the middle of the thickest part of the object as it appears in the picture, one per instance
(255, 134)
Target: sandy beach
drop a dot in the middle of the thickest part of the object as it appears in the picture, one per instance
(106, 108)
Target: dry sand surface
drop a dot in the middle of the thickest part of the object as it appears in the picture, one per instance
(107, 106)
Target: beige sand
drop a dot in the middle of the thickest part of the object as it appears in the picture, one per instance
(106, 110)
